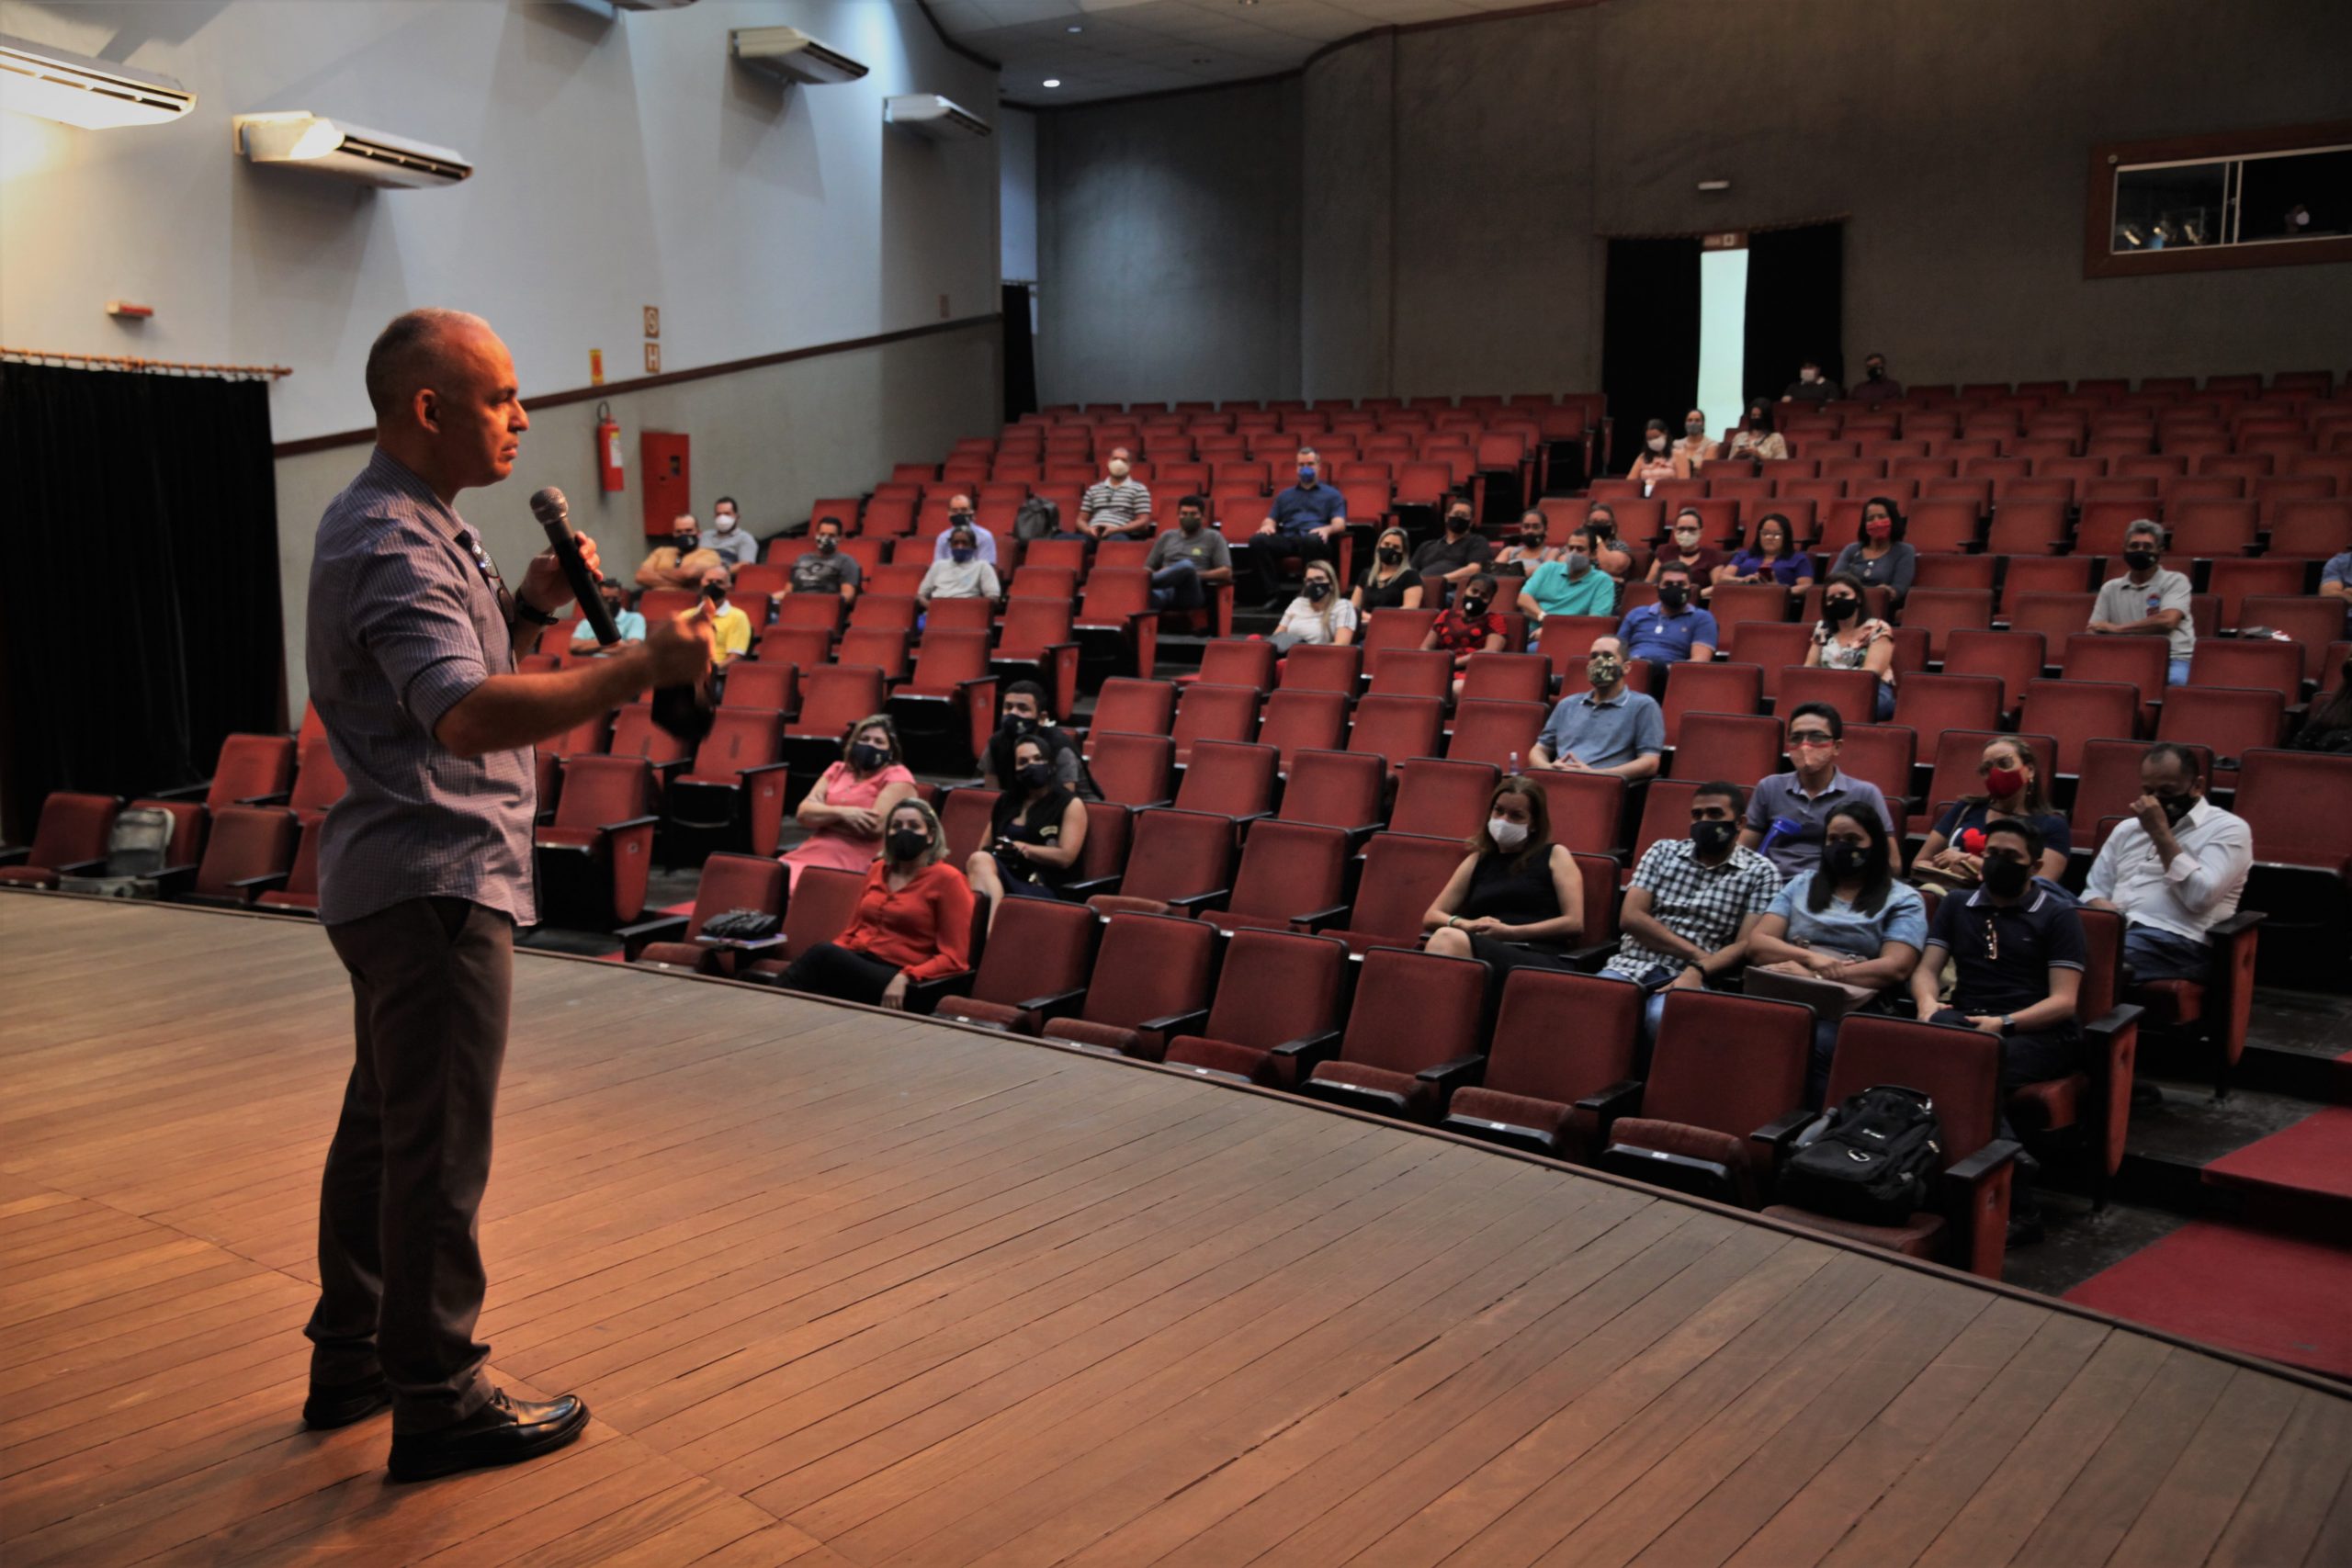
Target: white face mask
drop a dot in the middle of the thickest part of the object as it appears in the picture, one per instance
(725, 522)
(1118, 470)
(1506, 833)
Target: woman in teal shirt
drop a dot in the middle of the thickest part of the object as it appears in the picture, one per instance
(1847, 920)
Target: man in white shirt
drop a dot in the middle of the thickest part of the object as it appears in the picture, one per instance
(2173, 872)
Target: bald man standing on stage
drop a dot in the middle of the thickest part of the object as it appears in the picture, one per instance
(425, 870)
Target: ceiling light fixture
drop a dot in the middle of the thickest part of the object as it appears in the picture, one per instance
(1053, 81)
(96, 95)
(1073, 28)
(1714, 184)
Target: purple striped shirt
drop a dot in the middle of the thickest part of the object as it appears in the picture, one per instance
(407, 615)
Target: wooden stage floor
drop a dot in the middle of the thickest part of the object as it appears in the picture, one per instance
(843, 1288)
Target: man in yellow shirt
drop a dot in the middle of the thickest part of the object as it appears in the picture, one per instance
(730, 627)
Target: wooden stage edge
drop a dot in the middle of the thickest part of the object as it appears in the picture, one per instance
(845, 1288)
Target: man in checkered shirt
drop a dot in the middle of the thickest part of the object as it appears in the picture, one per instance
(425, 870)
(1693, 904)
(1116, 507)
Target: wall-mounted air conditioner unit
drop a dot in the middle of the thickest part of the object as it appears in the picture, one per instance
(790, 55)
(96, 95)
(931, 115)
(297, 138)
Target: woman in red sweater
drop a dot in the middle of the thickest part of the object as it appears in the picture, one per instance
(914, 921)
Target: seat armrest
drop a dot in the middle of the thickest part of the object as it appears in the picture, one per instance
(635, 939)
(2236, 925)
(924, 996)
(1591, 960)
(175, 881)
(15, 855)
(1308, 1050)
(767, 768)
(1190, 1022)
(248, 888)
(1081, 891)
(1460, 1073)
(1054, 1005)
(1316, 919)
(1983, 1163)
(82, 868)
(1777, 1134)
(280, 798)
(2125, 1015)
(1615, 1100)
(185, 792)
(622, 827)
(1195, 902)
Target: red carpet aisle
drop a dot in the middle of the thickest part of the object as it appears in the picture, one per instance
(2271, 1295)
(2311, 1161)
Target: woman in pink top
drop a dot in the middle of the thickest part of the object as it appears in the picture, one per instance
(851, 800)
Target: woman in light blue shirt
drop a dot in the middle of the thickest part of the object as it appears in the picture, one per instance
(1847, 921)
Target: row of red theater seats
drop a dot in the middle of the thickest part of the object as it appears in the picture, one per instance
(1546, 1063)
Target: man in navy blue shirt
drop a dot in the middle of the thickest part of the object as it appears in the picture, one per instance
(2017, 947)
(1670, 631)
(1303, 524)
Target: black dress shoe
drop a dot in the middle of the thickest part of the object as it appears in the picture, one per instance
(339, 1405)
(504, 1431)
(2025, 1230)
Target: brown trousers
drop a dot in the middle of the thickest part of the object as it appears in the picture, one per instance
(399, 1269)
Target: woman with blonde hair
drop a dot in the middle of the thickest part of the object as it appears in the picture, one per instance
(1319, 615)
(913, 919)
(844, 811)
(1389, 583)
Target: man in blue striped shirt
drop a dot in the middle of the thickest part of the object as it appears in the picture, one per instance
(425, 870)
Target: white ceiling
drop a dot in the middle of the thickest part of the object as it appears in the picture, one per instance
(1126, 47)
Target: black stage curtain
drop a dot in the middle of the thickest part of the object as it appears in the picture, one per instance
(1649, 338)
(1020, 358)
(1797, 295)
(138, 575)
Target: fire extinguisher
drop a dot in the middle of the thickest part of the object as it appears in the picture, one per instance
(608, 449)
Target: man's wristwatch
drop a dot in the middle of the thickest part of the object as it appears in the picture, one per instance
(2007, 1020)
(524, 612)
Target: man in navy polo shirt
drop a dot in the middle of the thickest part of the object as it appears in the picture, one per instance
(2017, 945)
(1303, 523)
(1670, 631)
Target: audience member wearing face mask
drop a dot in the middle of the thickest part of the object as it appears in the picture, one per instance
(1608, 727)
(844, 810)
(2149, 601)
(1188, 560)
(1876, 386)
(960, 514)
(1692, 450)
(963, 575)
(824, 567)
(914, 921)
(1389, 580)
(1757, 435)
(1517, 899)
(1952, 856)
(1848, 638)
(727, 537)
(1810, 386)
(626, 621)
(1116, 506)
(1037, 834)
(682, 561)
(1469, 626)
(1319, 616)
(1654, 461)
(1529, 545)
(1304, 524)
(1847, 921)
(1569, 584)
(2173, 869)
(1686, 545)
(1458, 554)
(1693, 904)
(1673, 629)
(730, 628)
(1879, 554)
(1611, 553)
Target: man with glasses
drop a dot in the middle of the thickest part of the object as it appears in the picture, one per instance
(1787, 811)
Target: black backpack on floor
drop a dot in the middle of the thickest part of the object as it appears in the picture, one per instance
(1038, 518)
(1872, 1160)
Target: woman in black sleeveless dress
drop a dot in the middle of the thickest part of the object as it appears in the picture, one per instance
(1518, 899)
(1037, 833)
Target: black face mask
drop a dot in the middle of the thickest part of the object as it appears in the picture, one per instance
(2176, 807)
(2139, 560)
(1712, 838)
(2005, 878)
(1672, 594)
(1457, 525)
(1844, 862)
(1532, 539)
(1876, 372)
(612, 606)
(1473, 608)
(906, 843)
(1317, 592)
(865, 758)
(1837, 610)
(827, 544)
(714, 591)
(685, 543)
(1600, 528)
(1390, 555)
(1034, 775)
(960, 520)
(1018, 724)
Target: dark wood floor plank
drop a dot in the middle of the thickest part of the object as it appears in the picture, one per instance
(848, 1290)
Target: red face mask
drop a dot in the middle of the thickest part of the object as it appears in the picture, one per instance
(1878, 527)
(2004, 781)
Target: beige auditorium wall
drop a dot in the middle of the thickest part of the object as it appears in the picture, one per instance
(776, 438)
(1458, 181)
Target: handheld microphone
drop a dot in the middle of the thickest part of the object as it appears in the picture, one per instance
(685, 711)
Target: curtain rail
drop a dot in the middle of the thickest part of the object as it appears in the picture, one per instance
(121, 362)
